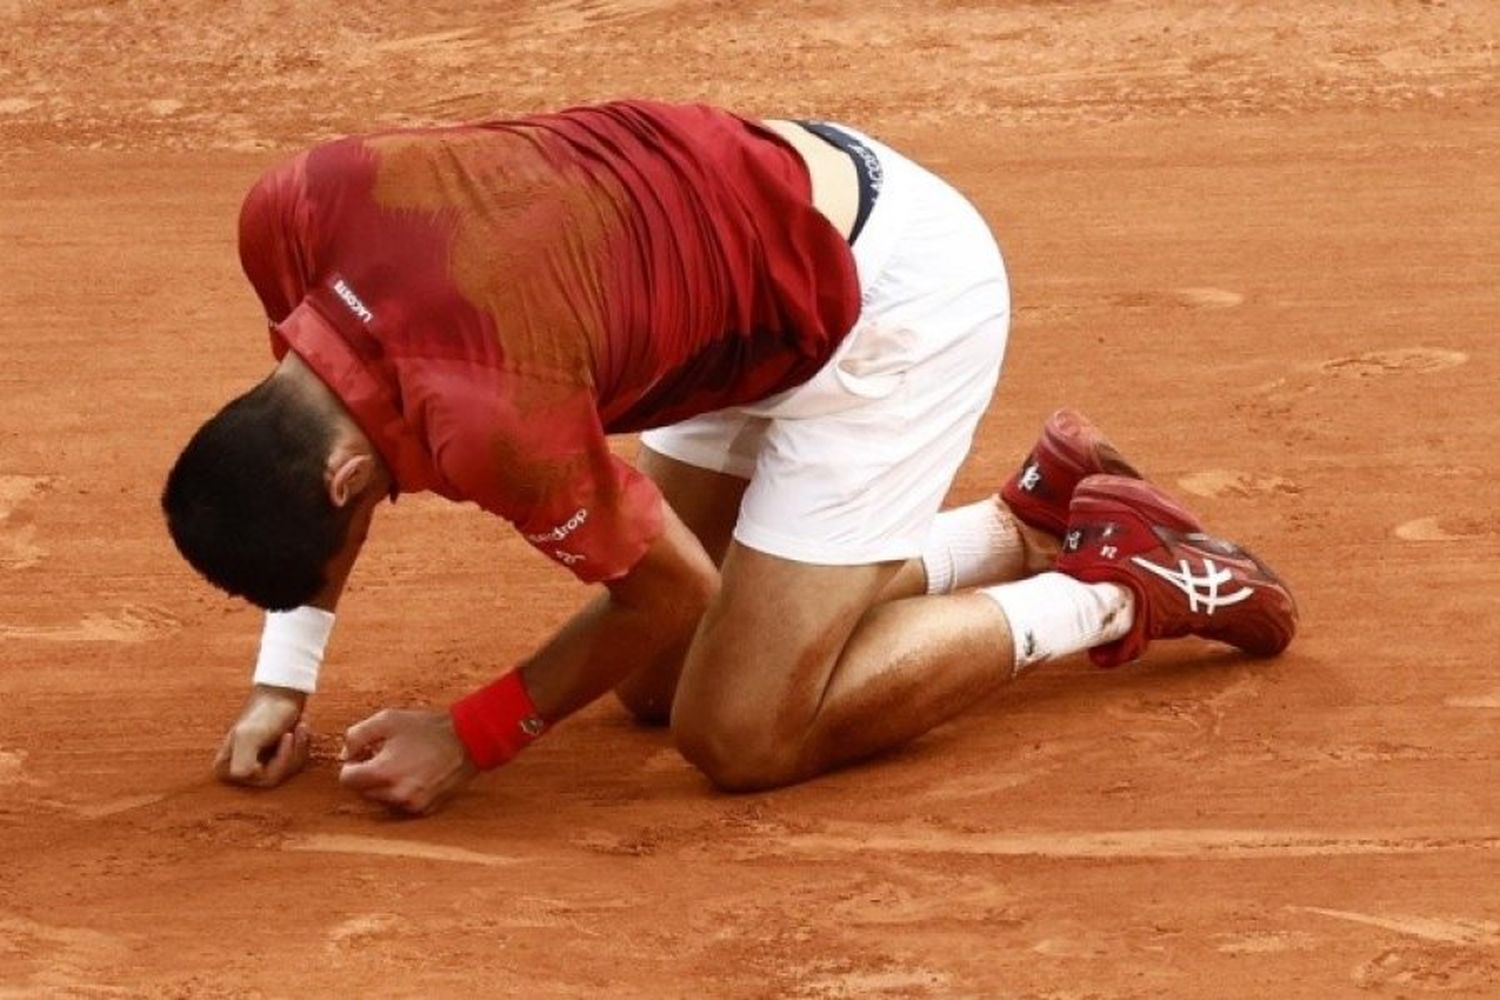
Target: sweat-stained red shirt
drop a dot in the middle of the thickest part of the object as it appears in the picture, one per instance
(490, 300)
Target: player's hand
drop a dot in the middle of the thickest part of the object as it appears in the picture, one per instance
(409, 759)
(268, 744)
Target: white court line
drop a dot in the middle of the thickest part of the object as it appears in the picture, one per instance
(1491, 700)
(132, 623)
(1477, 932)
(340, 843)
(1164, 843)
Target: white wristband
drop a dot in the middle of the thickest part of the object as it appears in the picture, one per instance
(291, 648)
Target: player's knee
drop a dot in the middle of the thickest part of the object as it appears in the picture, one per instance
(737, 755)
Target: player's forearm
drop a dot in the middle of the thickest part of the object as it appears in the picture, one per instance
(602, 645)
(293, 642)
(648, 615)
(336, 573)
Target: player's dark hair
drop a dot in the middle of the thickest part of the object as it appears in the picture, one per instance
(246, 501)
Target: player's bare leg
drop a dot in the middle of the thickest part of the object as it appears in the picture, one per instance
(991, 545)
(799, 668)
(708, 503)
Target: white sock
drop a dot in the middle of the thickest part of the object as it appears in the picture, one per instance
(967, 546)
(1053, 615)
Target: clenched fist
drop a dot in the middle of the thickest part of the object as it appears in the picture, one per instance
(268, 744)
(409, 759)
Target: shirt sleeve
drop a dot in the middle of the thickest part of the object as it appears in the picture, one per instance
(533, 451)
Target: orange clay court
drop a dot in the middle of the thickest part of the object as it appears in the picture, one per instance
(1257, 243)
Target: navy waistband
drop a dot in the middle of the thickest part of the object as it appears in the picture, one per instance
(866, 168)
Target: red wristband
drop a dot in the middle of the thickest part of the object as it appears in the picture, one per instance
(497, 722)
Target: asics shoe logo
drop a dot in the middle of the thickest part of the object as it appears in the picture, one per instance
(1202, 589)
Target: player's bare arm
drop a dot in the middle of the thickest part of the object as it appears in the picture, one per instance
(413, 759)
(268, 742)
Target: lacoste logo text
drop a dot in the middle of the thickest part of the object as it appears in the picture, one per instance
(343, 291)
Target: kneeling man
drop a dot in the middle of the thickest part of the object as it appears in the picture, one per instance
(805, 325)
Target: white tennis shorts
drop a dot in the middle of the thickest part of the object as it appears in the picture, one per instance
(851, 467)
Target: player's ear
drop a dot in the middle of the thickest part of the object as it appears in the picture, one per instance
(349, 475)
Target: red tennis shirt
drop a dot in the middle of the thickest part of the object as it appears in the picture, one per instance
(490, 300)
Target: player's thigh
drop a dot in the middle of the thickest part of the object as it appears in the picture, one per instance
(708, 503)
(757, 669)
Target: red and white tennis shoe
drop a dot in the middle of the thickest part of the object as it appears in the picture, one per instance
(1185, 581)
(1070, 449)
